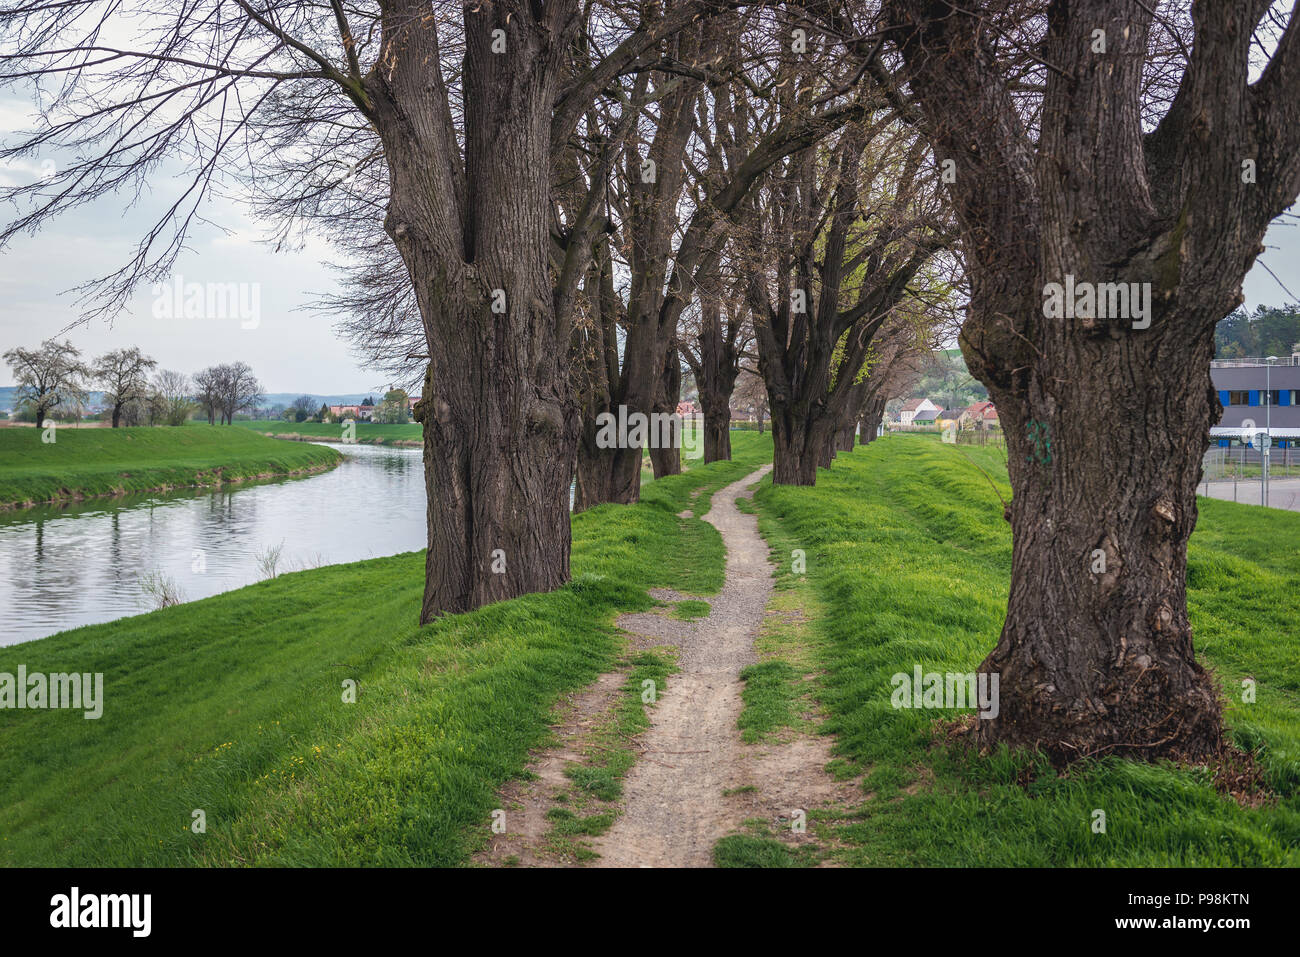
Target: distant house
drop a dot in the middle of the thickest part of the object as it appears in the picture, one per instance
(918, 412)
(957, 417)
(360, 413)
(983, 415)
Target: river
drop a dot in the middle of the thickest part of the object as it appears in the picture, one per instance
(83, 563)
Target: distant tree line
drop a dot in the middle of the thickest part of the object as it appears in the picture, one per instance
(1268, 331)
(53, 379)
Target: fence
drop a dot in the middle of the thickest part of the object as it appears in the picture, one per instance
(1237, 464)
(981, 437)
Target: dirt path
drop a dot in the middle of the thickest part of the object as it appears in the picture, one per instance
(694, 780)
(692, 753)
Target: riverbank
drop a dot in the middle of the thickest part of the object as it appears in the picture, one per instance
(240, 705)
(77, 464)
(408, 436)
(236, 705)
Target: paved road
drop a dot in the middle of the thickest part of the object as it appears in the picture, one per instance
(1282, 493)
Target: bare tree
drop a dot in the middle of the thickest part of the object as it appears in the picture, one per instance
(460, 111)
(849, 226)
(172, 390)
(238, 390)
(207, 392)
(123, 374)
(686, 188)
(713, 340)
(49, 376)
(751, 394)
(1114, 172)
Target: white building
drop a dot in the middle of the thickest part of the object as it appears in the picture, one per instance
(913, 407)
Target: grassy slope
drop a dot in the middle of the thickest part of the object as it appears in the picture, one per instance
(233, 704)
(367, 433)
(88, 462)
(909, 555)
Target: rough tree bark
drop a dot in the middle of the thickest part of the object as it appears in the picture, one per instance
(666, 454)
(497, 409)
(1106, 418)
(844, 438)
(873, 411)
(716, 365)
(609, 474)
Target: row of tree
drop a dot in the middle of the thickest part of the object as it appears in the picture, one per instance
(1268, 331)
(53, 376)
(535, 199)
(393, 409)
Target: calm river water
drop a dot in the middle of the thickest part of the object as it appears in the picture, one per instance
(64, 567)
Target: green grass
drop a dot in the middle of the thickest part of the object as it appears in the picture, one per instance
(690, 609)
(233, 704)
(747, 850)
(907, 549)
(92, 462)
(601, 774)
(568, 824)
(606, 759)
(772, 691)
(366, 433)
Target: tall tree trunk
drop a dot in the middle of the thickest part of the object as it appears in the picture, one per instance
(829, 447)
(797, 448)
(604, 474)
(666, 458)
(845, 436)
(498, 409)
(1100, 552)
(117, 414)
(715, 378)
(1096, 654)
(717, 427)
(498, 458)
(869, 423)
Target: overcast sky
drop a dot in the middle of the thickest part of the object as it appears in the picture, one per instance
(290, 348)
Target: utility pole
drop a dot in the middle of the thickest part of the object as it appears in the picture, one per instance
(1268, 424)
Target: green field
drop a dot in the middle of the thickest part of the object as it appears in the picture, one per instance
(233, 705)
(908, 559)
(82, 463)
(367, 433)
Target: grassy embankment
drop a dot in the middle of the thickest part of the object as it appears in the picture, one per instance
(908, 559)
(233, 705)
(367, 433)
(410, 436)
(83, 463)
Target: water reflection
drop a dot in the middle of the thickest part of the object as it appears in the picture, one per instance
(72, 565)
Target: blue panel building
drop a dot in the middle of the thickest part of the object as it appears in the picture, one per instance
(1256, 392)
